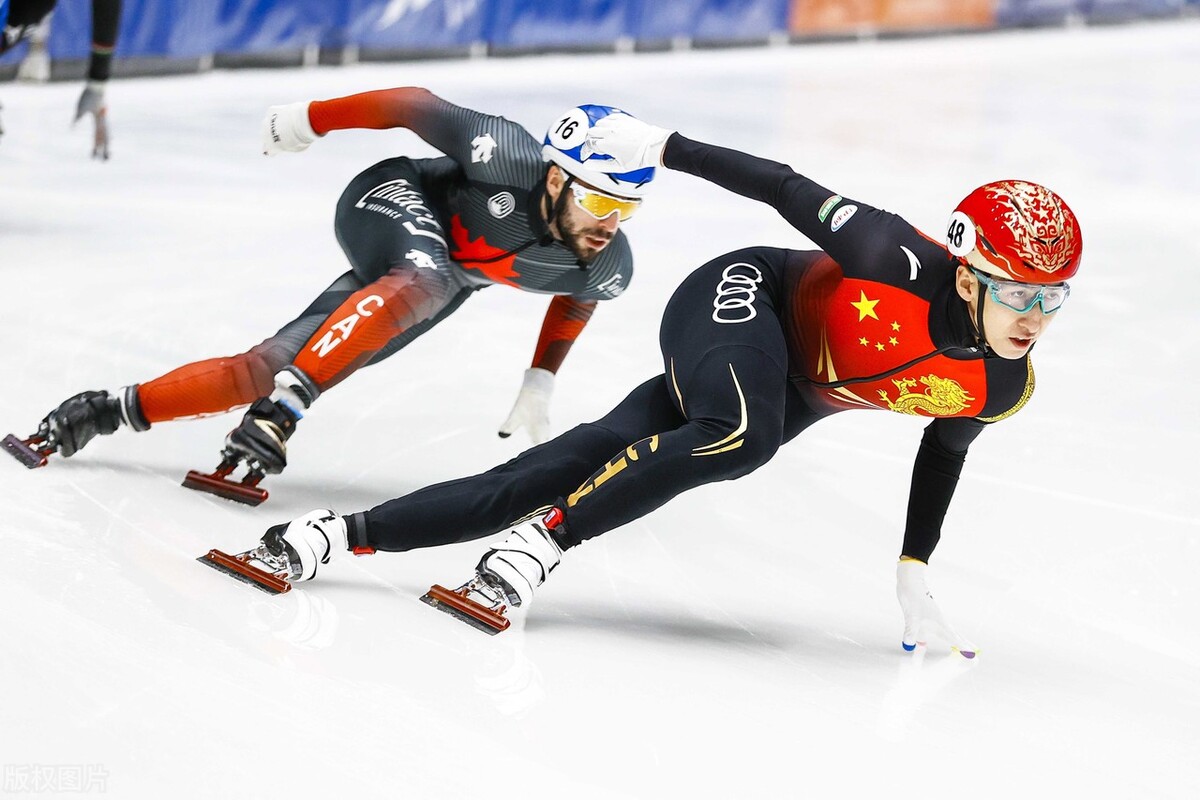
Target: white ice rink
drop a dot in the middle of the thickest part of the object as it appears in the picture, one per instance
(743, 641)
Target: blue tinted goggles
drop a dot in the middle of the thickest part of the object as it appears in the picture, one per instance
(1022, 297)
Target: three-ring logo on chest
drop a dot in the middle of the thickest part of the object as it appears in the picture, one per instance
(734, 301)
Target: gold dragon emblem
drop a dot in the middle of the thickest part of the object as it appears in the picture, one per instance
(942, 397)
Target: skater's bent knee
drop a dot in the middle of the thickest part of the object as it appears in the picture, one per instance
(739, 449)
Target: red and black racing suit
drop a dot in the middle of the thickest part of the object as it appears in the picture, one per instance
(757, 345)
(421, 236)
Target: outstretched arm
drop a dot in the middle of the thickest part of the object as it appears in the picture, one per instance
(935, 477)
(404, 107)
(293, 127)
(106, 19)
(633, 144)
(815, 211)
(466, 136)
(565, 320)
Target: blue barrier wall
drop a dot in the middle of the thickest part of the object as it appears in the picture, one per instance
(548, 23)
(261, 26)
(409, 24)
(189, 29)
(161, 28)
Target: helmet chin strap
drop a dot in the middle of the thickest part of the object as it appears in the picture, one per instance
(555, 211)
(983, 343)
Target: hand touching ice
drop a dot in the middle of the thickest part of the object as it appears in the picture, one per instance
(91, 101)
(631, 143)
(922, 617)
(532, 409)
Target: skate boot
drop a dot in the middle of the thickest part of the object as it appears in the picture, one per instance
(67, 429)
(260, 441)
(286, 553)
(507, 575)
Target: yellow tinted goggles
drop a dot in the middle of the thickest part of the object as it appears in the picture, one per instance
(602, 206)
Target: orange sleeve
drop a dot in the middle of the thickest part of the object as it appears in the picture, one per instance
(384, 108)
(565, 320)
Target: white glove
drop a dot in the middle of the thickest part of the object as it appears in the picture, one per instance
(922, 617)
(532, 409)
(287, 129)
(91, 101)
(632, 143)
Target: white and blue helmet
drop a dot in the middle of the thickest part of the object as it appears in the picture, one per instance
(564, 145)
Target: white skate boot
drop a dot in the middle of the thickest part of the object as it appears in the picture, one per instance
(307, 541)
(507, 575)
(286, 553)
(522, 562)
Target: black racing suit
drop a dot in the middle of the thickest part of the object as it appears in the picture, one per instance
(757, 345)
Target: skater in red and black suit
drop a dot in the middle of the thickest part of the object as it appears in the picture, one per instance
(758, 345)
(421, 236)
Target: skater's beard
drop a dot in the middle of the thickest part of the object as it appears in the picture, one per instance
(585, 237)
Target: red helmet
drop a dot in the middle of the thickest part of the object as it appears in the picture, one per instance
(1017, 231)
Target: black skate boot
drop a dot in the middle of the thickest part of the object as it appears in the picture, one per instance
(67, 429)
(260, 441)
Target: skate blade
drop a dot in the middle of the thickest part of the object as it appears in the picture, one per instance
(240, 492)
(466, 610)
(21, 451)
(242, 570)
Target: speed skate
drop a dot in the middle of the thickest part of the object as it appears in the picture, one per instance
(220, 483)
(259, 567)
(477, 602)
(32, 452)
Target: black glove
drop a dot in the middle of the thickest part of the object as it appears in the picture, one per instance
(262, 436)
(79, 419)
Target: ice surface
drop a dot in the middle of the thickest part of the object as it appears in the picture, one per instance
(743, 640)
